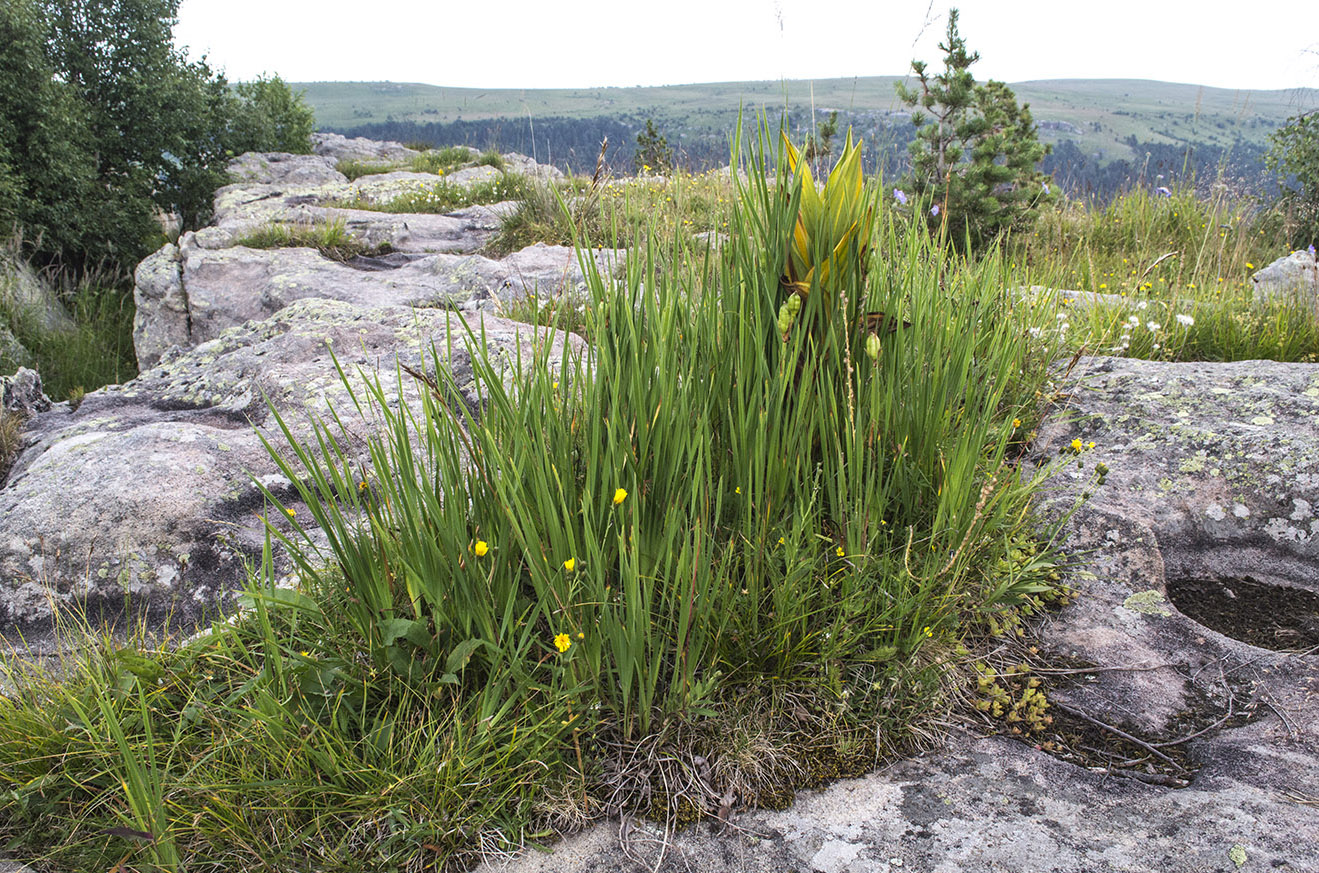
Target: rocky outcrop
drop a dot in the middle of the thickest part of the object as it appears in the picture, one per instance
(189, 293)
(147, 491)
(1293, 276)
(338, 147)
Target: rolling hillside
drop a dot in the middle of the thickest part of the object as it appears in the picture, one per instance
(1095, 122)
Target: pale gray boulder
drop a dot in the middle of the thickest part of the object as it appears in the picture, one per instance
(23, 291)
(21, 392)
(1294, 276)
(283, 170)
(142, 499)
(338, 147)
(191, 295)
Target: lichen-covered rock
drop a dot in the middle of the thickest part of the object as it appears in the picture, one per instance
(987, 805)
(338, 147)
(143, 497)
(22, 392)
(1293, 276)
(217, 289)
(186, 294)
(284, 170)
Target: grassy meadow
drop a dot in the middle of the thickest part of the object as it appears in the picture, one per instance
(766, 530)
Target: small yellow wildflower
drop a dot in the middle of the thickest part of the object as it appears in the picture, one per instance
(562, 642)
(927, 631)
(737, 490)
(840, 551)
(782, 541)
(619, 496)
(481, 548)
(361, 486)
(290, 511)
(581, 636)
(1090, 445)
(1016, 423)
(570, 564)
(1249, 265)
(1076, 447)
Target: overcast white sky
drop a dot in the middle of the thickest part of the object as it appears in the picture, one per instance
(1270, 44)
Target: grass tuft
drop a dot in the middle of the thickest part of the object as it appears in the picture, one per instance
(331, 238)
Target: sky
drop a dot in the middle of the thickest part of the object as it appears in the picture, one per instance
(1266, 45)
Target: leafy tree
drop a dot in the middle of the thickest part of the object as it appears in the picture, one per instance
(1295, 157)
(653, 150)
(103, 121)
(975, 156)
(47, 165)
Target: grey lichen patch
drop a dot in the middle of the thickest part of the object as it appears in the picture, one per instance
(1151, 602)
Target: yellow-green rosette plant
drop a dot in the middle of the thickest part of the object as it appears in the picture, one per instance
(830, 240)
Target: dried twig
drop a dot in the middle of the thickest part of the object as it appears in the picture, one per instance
(1118, 732)
(1157, 261)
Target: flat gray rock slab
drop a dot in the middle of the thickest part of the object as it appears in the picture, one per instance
(992, 806)
(1213, 470)
(188, 294)
(143, 498)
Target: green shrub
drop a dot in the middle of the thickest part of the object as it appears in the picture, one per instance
(491, 158)
(1295, 158)
(653, 155)
(442, 160)
(104, 121)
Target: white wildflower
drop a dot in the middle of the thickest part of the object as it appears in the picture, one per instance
(1142, 304)
(1185, 320)
(1152, 325)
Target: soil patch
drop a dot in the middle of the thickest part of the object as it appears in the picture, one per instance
(1276, 617)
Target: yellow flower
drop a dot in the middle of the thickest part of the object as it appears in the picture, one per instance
(290, 511)
(1090, 445)
(782, 541)
(1249, 265)
(619, 496)
(562, 642)
(840, 551)
(570, 564)
(1076, 445)
(481, 548)
(737, 490)
(927, 631)
(1016, 423)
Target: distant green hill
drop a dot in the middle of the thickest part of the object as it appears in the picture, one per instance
(1099, 115)
(1108, 133)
